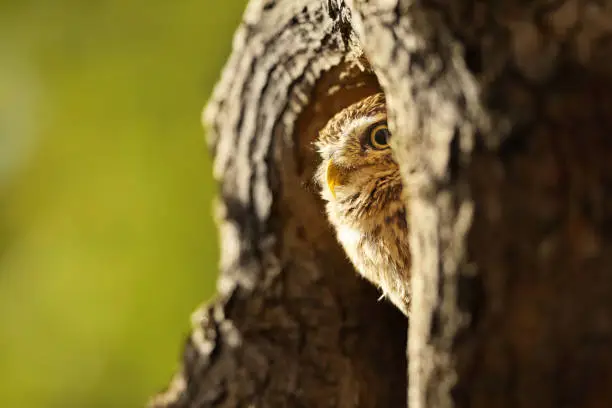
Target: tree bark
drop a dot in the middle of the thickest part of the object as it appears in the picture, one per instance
(293, 325)
(500, 113)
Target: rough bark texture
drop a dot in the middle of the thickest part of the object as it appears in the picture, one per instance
(501, 113)
(293, 326)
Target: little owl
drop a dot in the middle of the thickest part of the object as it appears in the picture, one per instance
(361, 184)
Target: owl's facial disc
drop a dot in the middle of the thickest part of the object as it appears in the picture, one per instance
(367, 146)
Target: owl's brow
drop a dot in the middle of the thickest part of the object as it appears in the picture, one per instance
(360, 124)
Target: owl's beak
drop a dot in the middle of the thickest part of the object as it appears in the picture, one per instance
(335, 176)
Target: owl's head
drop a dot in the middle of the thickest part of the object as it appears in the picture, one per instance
(358, 175)
(360, 180)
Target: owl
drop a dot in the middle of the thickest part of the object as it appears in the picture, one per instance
(360, 183)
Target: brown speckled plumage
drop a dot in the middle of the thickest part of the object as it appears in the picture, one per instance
(365, 206)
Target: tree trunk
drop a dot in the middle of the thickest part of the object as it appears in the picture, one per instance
(293, 326)
(500, 113)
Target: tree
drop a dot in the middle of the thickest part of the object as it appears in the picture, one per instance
(500, 113)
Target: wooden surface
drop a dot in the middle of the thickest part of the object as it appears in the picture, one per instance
(501, 116)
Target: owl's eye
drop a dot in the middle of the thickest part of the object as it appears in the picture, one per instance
(379, 137)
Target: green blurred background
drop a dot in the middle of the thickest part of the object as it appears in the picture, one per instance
(107, 242)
